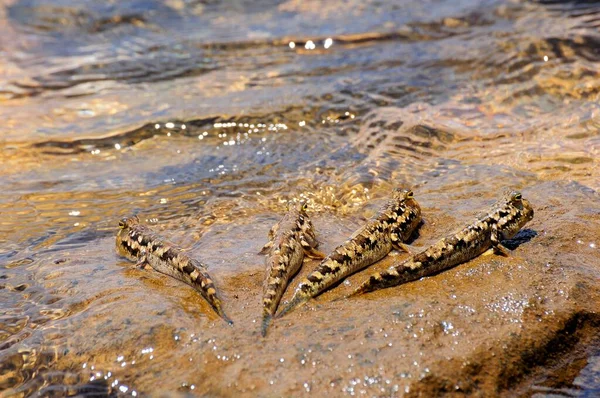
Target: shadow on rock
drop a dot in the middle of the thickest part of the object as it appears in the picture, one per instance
(524, 236)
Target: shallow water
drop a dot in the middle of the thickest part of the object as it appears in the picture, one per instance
(207, 117)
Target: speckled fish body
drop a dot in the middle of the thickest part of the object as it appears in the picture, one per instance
(505, 219)
(289, 241)
(139, 243)
(393, 225)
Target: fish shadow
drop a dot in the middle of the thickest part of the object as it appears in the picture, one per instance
(416, 233)
(524, 236)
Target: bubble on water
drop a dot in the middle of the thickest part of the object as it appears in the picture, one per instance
(86, 112)
(310, 45)
(448, 326)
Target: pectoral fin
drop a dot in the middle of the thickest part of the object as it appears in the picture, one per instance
(403, 247)
(501, 250)
(266, 248)
(496, 245)
(312, 252)
(142, 262)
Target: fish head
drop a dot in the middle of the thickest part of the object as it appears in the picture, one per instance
(128, 222)
(404, 195)
(125, 226)
(514, 212)
(406, 206)
(303, 220)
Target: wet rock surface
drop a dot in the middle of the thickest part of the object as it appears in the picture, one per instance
(494, 325)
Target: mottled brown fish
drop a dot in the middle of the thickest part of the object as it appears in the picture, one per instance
(505, 219)
(289, 240)
(393, 225)
(138, 242)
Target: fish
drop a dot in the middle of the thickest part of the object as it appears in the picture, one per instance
(388, 229)
(507, 216)
(290, 240)
(137, 242)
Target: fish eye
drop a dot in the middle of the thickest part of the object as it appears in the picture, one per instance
(517, 196)
(410, 195)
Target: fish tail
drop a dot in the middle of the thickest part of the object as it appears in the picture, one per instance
(225, 317)
(296, 301)
(210, 293)
(265, 323)
(366, 287)
(216, 304)
(271, 299)
(377, 281)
